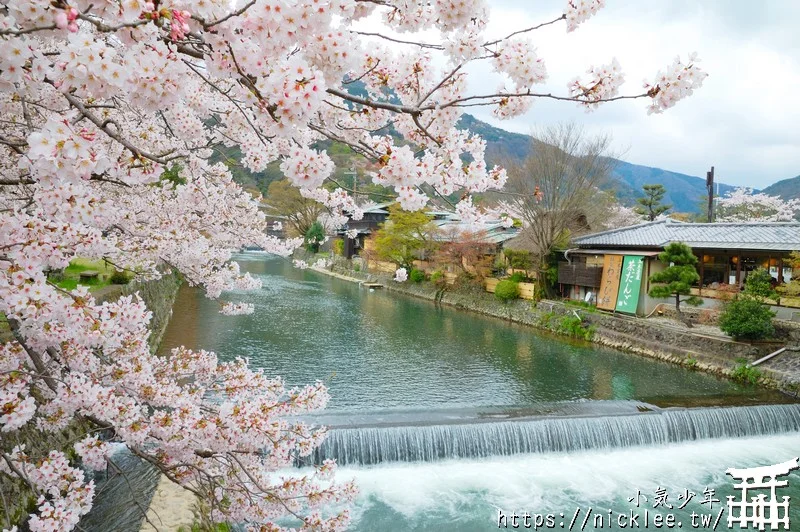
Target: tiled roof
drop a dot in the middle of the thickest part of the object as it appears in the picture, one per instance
(779, 236)
(493, 232)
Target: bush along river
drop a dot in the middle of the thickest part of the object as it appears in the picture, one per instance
(452, 420)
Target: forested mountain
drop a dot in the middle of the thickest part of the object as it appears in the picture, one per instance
(686, 193)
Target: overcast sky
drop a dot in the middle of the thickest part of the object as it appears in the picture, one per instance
(745, 120)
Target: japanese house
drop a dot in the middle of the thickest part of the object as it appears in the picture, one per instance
(600, 265)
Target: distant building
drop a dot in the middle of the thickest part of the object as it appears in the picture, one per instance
(726, 252)
(361, 229)
(449, 224)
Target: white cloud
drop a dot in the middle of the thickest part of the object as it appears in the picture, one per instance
(744, 120)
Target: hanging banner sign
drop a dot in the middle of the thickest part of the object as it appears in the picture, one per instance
(630, 285)
(609, 282)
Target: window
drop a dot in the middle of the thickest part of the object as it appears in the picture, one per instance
(715, 270)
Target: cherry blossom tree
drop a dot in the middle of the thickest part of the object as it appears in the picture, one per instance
(621, 216)
(743, 205)
(111, 110)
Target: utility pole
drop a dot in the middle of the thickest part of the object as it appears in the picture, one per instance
(353, 173)
(710, 189)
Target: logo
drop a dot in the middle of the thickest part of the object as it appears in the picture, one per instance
(756, 484)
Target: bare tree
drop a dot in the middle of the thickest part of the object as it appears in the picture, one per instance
(283, 199)
(556, 189)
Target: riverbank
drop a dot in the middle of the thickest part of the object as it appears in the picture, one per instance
(661, 339)
(159, 296)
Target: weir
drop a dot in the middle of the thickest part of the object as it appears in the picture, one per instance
(430, 442)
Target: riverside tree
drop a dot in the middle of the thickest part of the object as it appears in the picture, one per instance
(555, 190)
(742, 205)
(284, 199)
(99, 97)
(404, 236)
(679, 276)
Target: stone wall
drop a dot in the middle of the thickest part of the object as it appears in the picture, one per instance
(158, 295)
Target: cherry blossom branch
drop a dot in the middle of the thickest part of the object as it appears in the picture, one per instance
(440, 84)
(34, 356)
(103, 126)
(400, 41)
(229, 16)
(457, 102)
(17, 33)
(527, 30)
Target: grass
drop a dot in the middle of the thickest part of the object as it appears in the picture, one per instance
(197, 527)
(744, 373)
(574, 327)
(568, 325)
(583, 305)
(70, 278)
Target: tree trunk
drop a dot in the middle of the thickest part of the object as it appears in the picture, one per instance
(685, 319)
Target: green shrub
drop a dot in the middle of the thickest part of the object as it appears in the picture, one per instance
(507, 290)
(690, 362)
(518, 259)
(338, 246)
(119, 277)
(437, 276)
(759, 284)
(314, 237)
(517, 277)
(573, 326)
(546, 319)
(416, 275)
(744, 373)
(746, 318)
(357, 267)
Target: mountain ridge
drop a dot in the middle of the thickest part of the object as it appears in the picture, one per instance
(685, 192)
(785, 188)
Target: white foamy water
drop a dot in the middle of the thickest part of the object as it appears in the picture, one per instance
(466, 494)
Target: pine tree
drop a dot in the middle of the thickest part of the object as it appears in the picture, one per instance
(314, 237)
(650, 205)
(678, 278)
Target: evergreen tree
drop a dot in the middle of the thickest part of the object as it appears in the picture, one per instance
(678, 278)
(748, 317)
(650, 205)
(314, 237)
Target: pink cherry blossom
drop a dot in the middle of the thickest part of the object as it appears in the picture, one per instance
(114, 119)
(401, 275)
(743, 205)
(677, 82)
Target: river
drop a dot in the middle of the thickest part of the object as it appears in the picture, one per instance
(452, 420)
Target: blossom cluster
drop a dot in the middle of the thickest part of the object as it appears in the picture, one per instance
(677, 82)
(743, 205)
(401, 275)
(115, 116)
(518, 59)
(604, 82)
(65, 495)
(579, 11)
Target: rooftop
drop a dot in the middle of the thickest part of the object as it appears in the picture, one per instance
(779, 236)
(491, 232)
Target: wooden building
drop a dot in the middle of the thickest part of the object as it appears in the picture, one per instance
(726, 252)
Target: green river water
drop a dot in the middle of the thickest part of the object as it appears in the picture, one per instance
(394, 360)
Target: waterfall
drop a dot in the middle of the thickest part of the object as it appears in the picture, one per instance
(409, 443)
